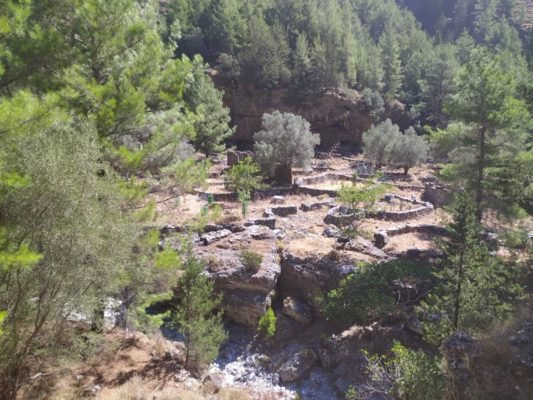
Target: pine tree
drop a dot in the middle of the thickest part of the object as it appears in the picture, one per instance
(391, 64)
(197, 318)
(301, 60)
(438, 84)
(474, 289)
(212, 125)
(486, 101)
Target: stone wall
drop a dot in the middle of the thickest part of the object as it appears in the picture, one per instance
(436, 194)
(402, 215)
(381, 238)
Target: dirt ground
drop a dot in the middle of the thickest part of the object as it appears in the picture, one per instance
(303, 231)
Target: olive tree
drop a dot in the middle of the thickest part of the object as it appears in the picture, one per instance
(377, 139)
(407, 150)
(284, 142)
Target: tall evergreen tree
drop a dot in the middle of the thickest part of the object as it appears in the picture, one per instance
(437, 84)
(212, 125)
(486, 101)
(392, 66)
(474, 289)
(197, 318)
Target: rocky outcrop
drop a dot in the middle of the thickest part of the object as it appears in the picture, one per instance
(281, 210)
(297, 310)
(269, 222)
(211, 237)
(364, 246)
(459, 351)
(246, 295)
(338, 116)
(310, 206)
(308, 278)
(298, 365)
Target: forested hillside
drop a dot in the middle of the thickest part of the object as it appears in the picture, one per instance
(266, 199)
(376, 47)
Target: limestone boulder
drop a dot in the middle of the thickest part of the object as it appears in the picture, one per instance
(298, 365)
(306, 278)
(246, 294)
(297, 310)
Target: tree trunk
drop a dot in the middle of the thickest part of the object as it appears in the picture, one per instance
(480, 173)
(284, 174)
(457, 300)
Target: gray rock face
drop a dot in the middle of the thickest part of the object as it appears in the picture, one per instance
(522, 341)
(217, 227)
(245, 308)
(260, 232)
(308, 278)
(246, 295)
(286, 328)
(213, 382)
(211, 237)
(364, 246)
(325, 357)
(298, 365)
(317, 205)
(281, 211)
(297, 310)
(229, 272)
(458, 350)
(331, 232)
(269, 222)
(278, 199)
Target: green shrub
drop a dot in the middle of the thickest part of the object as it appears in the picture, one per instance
(267, 324)
(367, 294)
(413, 375)
(251, 260)
(516, 239)
(244, 176)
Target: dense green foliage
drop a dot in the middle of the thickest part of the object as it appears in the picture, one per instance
(367, 294)
(311, 45)
(102, 101)
(385, 144)
(90, 96)
(410, 375)
(491, 137)
(244, 176)
(63, 237)
(251, 260)
(196, 317)
(284, 142)
(267, 324)
(407, 151)
(474, 290)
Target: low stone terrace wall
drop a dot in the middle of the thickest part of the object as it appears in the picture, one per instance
(382, 237)
(402, 215)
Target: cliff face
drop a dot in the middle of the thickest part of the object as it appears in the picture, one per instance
(336, 116)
